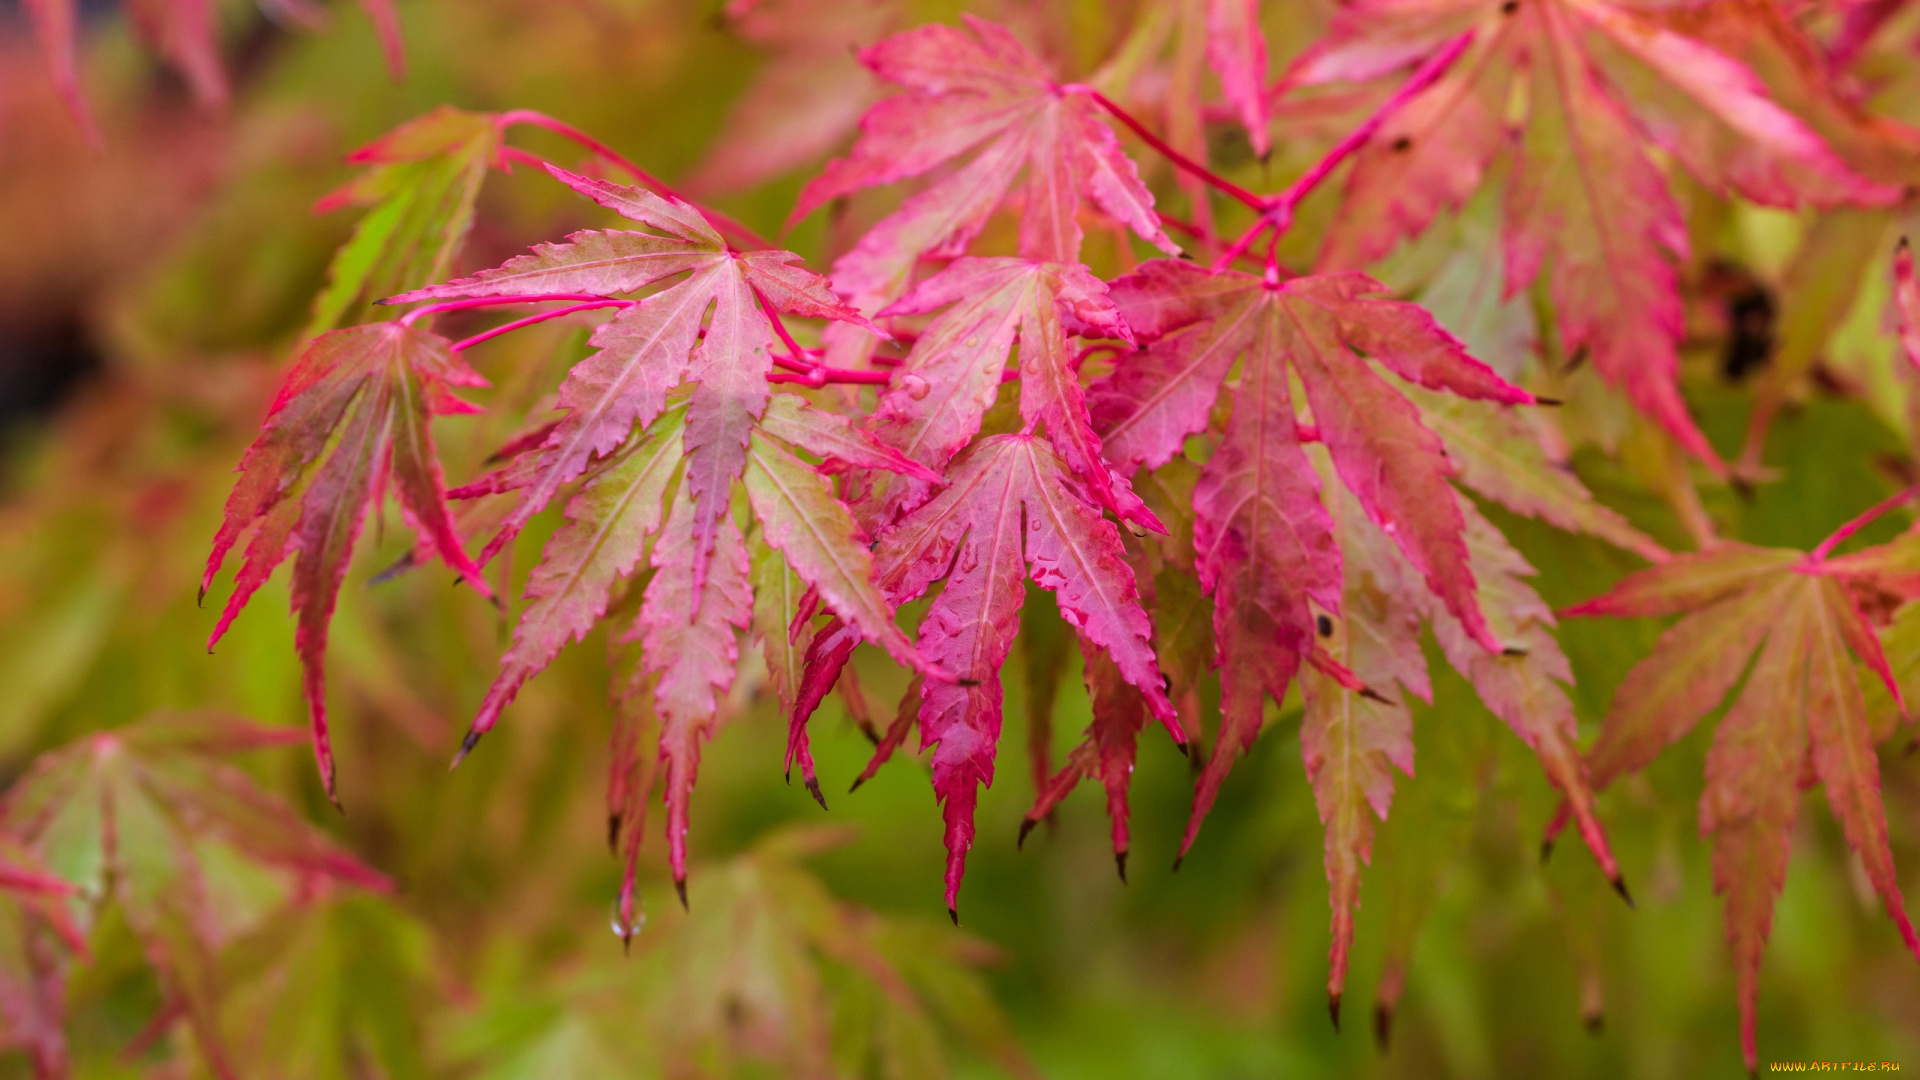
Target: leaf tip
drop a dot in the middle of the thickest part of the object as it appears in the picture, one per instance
(1026, 828)
(1594, 1021)
(1120, 864)
(813, 788)
(954, 914)
(1549, 402)
(467, 743)
(1383, 1026)
(1333, 1010)
(1620, 886)
(680, 889)
(613, 832)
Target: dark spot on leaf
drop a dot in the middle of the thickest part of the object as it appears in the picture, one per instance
(1324, 625)
(1402, 144)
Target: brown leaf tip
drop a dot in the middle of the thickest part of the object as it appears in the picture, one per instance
(1120, 864)
(1333, 1010)
(1026, 828)
(1383, 1026)
(680, 887)
(813, 788)
(1620, 886)
(1594, 1021)
(954, 914)
(467, 743)
(613, 832)
(1546, 850)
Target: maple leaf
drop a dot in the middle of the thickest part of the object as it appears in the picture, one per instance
(729, 427)
(1012, 510)
(655, 343)
(1800, 714)
(350, 422)
(148, 818)
(1584, 200)
(953, 374)
(975, 91)
(423, 179)
(1266, 552)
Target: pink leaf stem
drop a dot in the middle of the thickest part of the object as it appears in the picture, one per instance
(1218, 182)
(489, 335)
(822, 376)
(1872, 514)
(437, 307)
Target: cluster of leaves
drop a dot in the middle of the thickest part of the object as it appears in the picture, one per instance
(1248, 473)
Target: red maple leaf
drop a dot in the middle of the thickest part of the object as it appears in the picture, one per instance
(349, 423)
(1585, 202)
(1265, 545)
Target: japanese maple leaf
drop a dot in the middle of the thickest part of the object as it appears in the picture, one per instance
(1584, 200)
(1264, 544)
(655, 344)
(150, 820)
(976, 91)
(951, 378)
(1800, 718)
(687, 631)
(350, 422)
(1012, 510)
